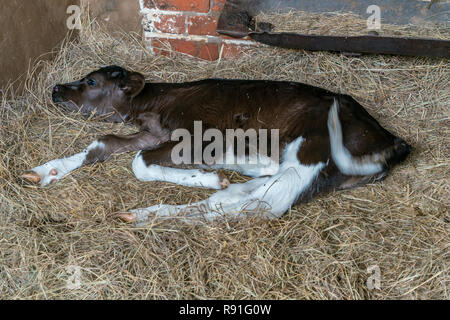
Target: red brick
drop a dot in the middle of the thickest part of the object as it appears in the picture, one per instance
(230, 51)
(202, 25)
(179, 5)
(200, 49)
(209, 51)
(164, 46)
(171, 23)
(218, 5)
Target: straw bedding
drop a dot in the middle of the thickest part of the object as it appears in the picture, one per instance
(320, 250)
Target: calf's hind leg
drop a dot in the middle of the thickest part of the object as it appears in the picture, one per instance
(271, 195)
(147, 166)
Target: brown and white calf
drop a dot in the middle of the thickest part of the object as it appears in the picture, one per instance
(327, 141)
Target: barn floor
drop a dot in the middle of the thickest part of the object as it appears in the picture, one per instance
(321, 250)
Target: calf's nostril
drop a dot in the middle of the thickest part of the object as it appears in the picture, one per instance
(56, 89)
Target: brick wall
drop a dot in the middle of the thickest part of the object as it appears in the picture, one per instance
(188, 26)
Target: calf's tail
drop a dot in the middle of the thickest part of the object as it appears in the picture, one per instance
(363, 165)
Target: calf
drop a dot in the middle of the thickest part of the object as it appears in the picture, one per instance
(327, 141)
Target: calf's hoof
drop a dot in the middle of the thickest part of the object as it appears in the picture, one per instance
(223, 181)
(32, 177)
(127, 217)
(35, 177)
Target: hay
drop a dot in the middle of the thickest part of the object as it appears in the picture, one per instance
(316, 251)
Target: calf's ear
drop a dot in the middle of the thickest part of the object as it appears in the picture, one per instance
(133, 84)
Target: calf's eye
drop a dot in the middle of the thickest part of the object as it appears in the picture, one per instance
(91, 82)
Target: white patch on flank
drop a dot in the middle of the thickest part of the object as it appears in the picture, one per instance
(271, 196)
(188, 178)
(64, 166)
(343, 159)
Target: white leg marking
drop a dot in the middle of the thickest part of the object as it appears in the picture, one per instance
(271, 195)
(347, 164)
(184, 177)
(56, 169)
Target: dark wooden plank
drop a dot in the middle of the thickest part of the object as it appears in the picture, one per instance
(357, 44)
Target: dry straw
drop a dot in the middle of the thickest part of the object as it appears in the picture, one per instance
(320, 250)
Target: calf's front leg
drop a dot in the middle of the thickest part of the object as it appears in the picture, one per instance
(99, 150)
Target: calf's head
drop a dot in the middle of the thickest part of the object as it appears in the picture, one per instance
(107, 92)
